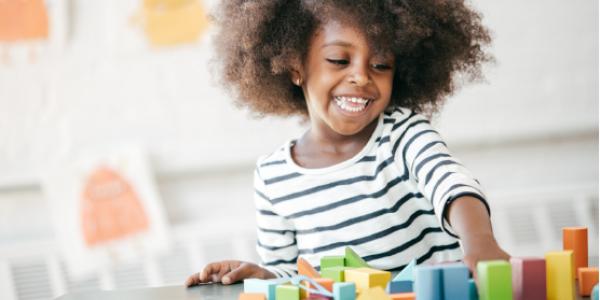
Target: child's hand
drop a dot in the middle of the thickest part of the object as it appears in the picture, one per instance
(228, 272)
(481, 250)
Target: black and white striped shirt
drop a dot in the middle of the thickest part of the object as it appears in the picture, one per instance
(386, 202)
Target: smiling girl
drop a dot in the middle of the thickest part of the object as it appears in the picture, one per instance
(370, 172)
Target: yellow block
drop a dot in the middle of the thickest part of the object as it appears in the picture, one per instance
(376, 293)
(560, 283)
(366, 278)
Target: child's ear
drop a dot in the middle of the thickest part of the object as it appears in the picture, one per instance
(296, 77)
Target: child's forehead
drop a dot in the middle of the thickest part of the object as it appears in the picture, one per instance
(345, 34)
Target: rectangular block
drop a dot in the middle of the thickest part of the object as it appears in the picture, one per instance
(595, 292)
(403, 296)
(473, 295)
(455, 281)
(374, 293)
(588, 278)
(560, 283)
(252, 296)
(366, 278)
(495, 280)
(287, 292)
(576, 240)
(267, 287)
(344, 291)
(528, 278)
(399, 286)
(428, 283)
(354, 260)
(332, 261)
(306, 269)
(335, 273)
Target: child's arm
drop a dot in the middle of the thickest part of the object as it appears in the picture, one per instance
(469, 219)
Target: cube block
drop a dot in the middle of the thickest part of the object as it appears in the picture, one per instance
(344, 291)
(495, 280)
(588, 278)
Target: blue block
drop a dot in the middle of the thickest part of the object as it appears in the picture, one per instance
(455, 281)
(402, 286)
(266, 287)
(408, 273)
(595, 292)
(344, 291)
(473, 295)
(428, 283)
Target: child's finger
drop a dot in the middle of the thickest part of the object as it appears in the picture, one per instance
(193, 280)
(208, 271)
(225, 268)
(237, 274)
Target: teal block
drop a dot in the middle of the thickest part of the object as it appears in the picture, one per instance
(455, 279)
(267, 287)
(495, 280)
(332, 261)
(473, 290)
(344, 291)
(408, 273)
(428, 283)
(399, 286)
(595, 292)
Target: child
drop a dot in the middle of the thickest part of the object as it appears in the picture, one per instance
(370, 172)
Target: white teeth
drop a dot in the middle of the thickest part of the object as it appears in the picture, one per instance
(358, 104)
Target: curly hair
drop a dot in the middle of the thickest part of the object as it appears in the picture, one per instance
(259, 42)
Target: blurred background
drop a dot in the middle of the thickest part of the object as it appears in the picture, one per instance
(89, 76)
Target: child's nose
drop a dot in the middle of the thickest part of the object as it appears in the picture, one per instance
(359, 76)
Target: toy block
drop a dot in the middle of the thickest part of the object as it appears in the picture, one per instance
(326, 283)
(287, 292)
(576, 239)
(455, 281)
(588, 278)
(407, 273)
(266, 287)
(528, 278)
(366, 278)
(403, 296)
(344, 291)
(560, 283)
(595, 292)
(335, 273)
(495, 280)
(399, 286)
(428, 283)
(252, 296)
(354, 260)
(332, 261)
(374, 293)
(306, 269)
(473, 295)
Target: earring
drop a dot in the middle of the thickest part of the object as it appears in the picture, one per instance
(298, 82)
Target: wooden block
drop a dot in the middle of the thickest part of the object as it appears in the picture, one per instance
(287, 292)
(344, 291)
(306, 269)
(326, 283)
(366, 278)
(332, 261)
(354, 260)
(335, 273)
(267, 287)
(588, 278)
(252, 296)
(595, 292)
(399, 286)
(473, 295)
(428, 283)
(403, 296)
(495, 280)
(374, 293)
(528, 278)
(576, 240)
(407, 273)
(455, 281)
(560, 283)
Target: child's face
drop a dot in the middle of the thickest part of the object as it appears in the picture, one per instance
(346, 84)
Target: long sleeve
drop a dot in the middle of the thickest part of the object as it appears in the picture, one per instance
(440, 177)
(276, 243)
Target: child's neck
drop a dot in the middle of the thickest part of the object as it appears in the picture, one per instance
(321, 147)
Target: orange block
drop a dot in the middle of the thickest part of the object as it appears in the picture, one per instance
(576, 239)
(252, 296)
(306, 269)
(326, 283)
(403, 296)
(588, 278)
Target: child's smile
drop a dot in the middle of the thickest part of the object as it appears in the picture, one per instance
(347, 83)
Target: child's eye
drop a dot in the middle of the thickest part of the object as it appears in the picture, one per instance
(382, 67)
(338, 61)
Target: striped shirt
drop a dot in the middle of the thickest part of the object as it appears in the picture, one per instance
(387, 202)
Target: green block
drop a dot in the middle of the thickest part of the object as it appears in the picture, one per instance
(354, 260)
(335, 273)
(331, 261)
(287, 292)
(495, 280)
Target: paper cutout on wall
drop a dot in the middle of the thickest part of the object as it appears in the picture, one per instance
(111, 208)
(23, 20)
(173, 22)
